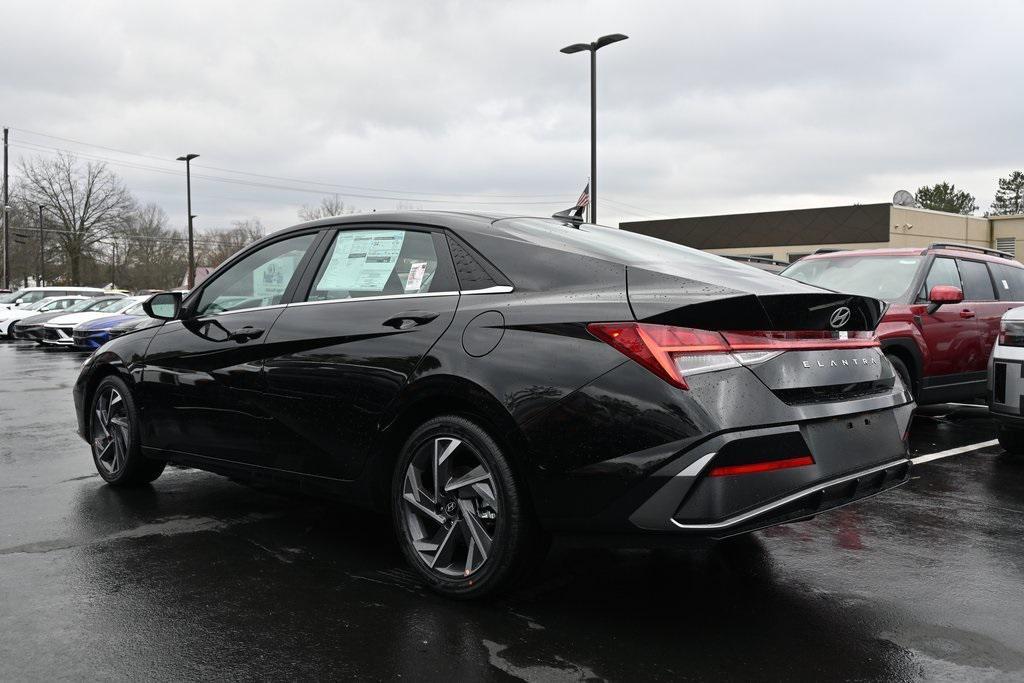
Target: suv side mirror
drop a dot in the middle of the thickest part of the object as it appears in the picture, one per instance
(944, 294)
(163, 306)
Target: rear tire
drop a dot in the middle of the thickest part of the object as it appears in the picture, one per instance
(904, 373)
(1012, 441)
(461, 515)
(114, 435)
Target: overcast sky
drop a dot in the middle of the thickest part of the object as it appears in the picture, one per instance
(707, 108)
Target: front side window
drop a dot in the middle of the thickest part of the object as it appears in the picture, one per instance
(943, 272)
(977, 283)
(364, 263)
(259, 279)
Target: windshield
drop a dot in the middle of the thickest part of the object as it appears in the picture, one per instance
(137, 309)
(883, 277)
(108, 305)
(36, 305)
(83, 305)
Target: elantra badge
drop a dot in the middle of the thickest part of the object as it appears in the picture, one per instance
(840, 317)
(834, 363)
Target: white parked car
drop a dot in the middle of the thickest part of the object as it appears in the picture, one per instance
(60, 330)
(48, 305)
(30, 295)
(1006, 383)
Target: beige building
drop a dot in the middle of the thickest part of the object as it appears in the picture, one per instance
(790, 235)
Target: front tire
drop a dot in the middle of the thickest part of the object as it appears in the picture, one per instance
(460, 513)
(114, 435)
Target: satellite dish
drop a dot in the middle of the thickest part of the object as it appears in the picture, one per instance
(904, 198)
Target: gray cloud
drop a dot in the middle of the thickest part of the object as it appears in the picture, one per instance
(708, 108)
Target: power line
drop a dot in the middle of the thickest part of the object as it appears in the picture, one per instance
(250, 183)
(405, 193)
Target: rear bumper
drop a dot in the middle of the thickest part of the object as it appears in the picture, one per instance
(810, 501)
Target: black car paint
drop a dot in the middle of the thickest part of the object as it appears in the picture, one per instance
(326, 395)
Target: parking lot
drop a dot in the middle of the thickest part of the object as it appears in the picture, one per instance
(198, 577)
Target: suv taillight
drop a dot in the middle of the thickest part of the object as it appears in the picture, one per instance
(674, 352)
(1011, 333)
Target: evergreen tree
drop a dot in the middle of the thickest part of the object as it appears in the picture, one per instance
(945, 197)
(1010, 195)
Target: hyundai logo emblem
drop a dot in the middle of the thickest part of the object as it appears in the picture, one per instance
(840, 317)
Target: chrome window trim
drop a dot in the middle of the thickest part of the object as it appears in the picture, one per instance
(502, 289)
(383, 297)
(803, 493)
(497, 289)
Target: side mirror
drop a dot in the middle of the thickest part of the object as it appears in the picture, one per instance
(944, 294)
(163, 306)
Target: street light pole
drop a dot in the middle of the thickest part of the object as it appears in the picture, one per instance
(6, 209)
(593, 48)
(191, 241)
(42, 273)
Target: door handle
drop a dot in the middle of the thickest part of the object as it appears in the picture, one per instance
(245, 334)
(404, 321)
(967, 313)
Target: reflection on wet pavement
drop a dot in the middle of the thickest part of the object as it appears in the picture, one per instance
(200, 577)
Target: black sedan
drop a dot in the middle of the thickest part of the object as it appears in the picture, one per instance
(490, 381)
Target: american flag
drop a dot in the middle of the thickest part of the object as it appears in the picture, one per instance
(584, 197)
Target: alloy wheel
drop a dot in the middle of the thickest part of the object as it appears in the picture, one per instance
(110, 435)
(449, 506)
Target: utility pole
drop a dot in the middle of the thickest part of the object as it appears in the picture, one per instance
(42, 244)
(6, 209)
(191, 242)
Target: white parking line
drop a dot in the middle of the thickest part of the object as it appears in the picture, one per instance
(953, 451)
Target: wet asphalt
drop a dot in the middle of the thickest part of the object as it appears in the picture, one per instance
(198, 577)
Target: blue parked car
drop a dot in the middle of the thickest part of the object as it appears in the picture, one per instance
(93, 334)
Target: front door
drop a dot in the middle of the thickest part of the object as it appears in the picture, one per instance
(376, 304)
(202, 375)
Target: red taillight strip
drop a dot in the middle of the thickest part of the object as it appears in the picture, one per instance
(768, 466)
(805, 340)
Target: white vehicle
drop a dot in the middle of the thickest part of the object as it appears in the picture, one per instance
(30, 295)
(60, 330)
(48, 305)
(1005, 383)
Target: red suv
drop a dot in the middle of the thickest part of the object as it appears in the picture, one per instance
(946, 302)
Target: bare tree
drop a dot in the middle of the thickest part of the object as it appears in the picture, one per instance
(329, 206)
(150, 255)
(89, 202)
(216, 246)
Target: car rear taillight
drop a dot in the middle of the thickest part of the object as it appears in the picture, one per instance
(674, 352)
(1011, 333)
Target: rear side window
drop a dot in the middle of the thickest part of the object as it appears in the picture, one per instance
(364, 263)
(977, 283)
(1009, 281)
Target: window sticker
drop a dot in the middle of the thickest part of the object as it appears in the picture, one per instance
(362, 261)
(416, 272)
(270, 279)
(1005, 285)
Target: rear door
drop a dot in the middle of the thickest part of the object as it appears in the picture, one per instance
(980, 300)
(378, 300)
(202, 375)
